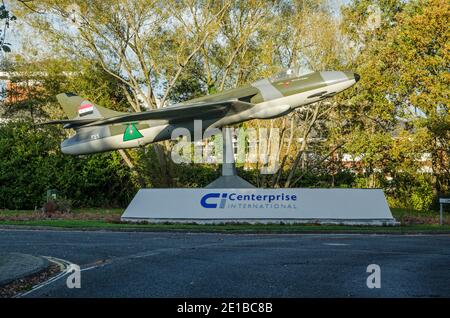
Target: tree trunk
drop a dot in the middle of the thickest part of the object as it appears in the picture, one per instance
(303, 146)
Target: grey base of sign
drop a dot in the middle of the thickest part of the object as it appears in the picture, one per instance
(230, 182)
(365, 222)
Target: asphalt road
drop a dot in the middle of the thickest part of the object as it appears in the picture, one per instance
(130, 264)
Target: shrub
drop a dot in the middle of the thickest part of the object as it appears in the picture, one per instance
(422, 195)
(32, 163)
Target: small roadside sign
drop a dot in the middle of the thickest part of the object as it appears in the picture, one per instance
(442, 201)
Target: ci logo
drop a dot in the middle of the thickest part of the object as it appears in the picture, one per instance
(208, 199)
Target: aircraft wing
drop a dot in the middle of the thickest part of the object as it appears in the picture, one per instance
(170, 114)
(71, 122)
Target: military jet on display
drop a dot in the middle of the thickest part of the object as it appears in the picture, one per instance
(100, 129)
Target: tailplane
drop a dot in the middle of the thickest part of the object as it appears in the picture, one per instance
(77, 107)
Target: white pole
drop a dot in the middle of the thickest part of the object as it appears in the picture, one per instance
(228, 165)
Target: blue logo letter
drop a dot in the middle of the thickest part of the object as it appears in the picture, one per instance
(206, 197)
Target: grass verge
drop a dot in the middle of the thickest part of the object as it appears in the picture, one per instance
(231, 228)
(412, 222)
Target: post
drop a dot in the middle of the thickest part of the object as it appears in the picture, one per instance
(228, 163)
(442, 201)
(229, 178)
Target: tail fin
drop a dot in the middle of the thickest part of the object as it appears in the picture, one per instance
(77, 107)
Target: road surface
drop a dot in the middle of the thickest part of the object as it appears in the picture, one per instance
(133, 264)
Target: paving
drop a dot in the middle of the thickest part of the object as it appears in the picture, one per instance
(14, 266)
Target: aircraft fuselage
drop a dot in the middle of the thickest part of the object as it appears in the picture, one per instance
(272, 98)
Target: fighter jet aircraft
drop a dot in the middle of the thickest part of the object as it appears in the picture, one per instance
(100, 129)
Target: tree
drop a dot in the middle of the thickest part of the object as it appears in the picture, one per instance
(6, 18)
(144, 44)
(403, 90)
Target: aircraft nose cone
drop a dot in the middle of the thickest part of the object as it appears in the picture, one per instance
(332, 77)
(357, 77)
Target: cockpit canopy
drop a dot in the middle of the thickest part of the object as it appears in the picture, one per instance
(296, 71)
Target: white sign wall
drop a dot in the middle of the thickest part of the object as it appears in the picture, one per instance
(259, 205)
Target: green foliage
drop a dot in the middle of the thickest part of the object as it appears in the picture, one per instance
(398, 112)
(183, 175)
(189, 85)
(414, 192)
(32, 163)
(63, 204)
